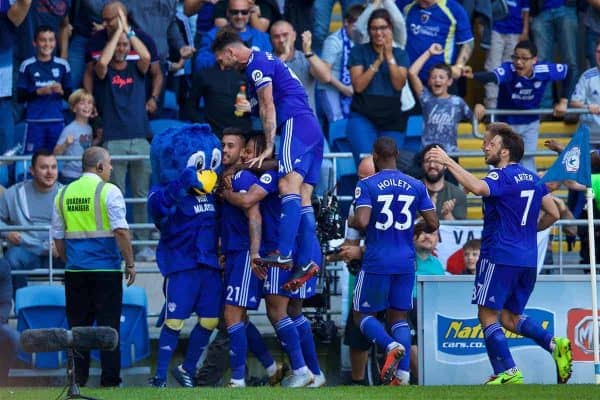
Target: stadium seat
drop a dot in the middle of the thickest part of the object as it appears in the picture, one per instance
(133, 334)
(38, 307)
(337, 130)
(414, 126)
(158, 126)
(170, 107)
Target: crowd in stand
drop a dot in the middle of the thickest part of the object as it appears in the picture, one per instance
(83, 73)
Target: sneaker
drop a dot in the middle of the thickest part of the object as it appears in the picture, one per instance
(277, 377)
(275, 260)
(157, 382)
(300, 276)
(184, 379)
(491, 378)
(296, 381)
(511, 377)
(401, 378)
(392, 358)
(318, 381)
(236, 383)
(146, 254)
(563, 357)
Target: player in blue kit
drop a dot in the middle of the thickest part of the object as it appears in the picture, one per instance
(241, 232)
(283, 107)
(507, 265)
(387, 204)
(522, 83)
(284, 307)
(44, 81)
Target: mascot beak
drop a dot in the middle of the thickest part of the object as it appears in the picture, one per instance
(208, 179)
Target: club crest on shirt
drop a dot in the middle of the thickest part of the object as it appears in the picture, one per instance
(55, 72)
(266, 179)
(424, 17)
(537, 84)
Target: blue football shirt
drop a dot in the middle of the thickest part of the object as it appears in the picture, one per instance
(235, 235)
(510, 215)
(394, 199)
(270, 209)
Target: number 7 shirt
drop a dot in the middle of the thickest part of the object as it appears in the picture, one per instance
(510, 215)
(394, 199)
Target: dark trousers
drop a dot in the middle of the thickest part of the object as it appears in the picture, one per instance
(95, 296)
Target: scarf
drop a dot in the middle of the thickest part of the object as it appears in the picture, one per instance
(345, 71)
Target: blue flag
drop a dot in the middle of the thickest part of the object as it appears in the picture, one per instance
(574, 162)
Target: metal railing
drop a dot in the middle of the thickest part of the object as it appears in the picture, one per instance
(492, 112)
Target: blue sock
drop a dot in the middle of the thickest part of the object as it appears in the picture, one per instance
(495, 341)
(167, 343)
(533, 330)
(290, 342)
(257, 345)
(374, 331)
(307, 235)
(289, 224)
(307, 343)
(199, 338)
(401, 334)
(238, 346)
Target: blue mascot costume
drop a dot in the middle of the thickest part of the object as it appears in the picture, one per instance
(185, 163)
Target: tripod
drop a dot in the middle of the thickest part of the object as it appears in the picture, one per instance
(73, 392)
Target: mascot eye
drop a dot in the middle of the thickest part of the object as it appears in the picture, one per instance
(197, 160)
(215, 162)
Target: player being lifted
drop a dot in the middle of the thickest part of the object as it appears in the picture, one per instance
(387, 204)
(283, 108)
(506, 269)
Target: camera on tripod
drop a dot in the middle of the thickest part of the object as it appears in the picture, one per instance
(329, 220)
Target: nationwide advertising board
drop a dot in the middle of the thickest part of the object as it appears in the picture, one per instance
(451, 342)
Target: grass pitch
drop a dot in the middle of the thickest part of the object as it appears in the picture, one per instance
(527, 392)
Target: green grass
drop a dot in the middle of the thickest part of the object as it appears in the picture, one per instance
(527, 392)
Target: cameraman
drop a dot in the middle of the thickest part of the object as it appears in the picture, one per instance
(351, 252)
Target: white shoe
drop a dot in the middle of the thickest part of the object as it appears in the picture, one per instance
(237, 383)
(296, 381)
(146, 254)
(318, 381)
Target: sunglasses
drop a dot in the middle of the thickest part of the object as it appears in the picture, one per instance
(238, 12)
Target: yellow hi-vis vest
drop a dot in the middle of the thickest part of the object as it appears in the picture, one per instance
(90, 243)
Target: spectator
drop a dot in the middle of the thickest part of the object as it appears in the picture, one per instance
(261, 12)
(120, 84)
(93, 278)
(449, 200)
(238, 17)
(437, 21)
(336, 96)
(555, 22)
(322, 18)
(77, 136)
(11, 16)
(506, 33)
(9, 338)
(86, 20)
(378, 72)
(29, 203)
(587, 95)
(54, 14)
(44, 80)
(98, 41)
(591, 20)
(361, 30)
(305, 64)
(441, 111)
(204, 11)
(522, 85)
(471, 255)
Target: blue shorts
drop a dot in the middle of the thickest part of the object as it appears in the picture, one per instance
(242, 287)
(503, 286)
(41, 135)
(301, 148)
(275, 279)
(197, 290)
(377, 292)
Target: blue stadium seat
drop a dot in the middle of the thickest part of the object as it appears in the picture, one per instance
(414, 126)
(38, 307)
(133, 335)
(170, 107)
(337, 130)
(158, 126)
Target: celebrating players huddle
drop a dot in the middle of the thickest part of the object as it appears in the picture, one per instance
(269, 247)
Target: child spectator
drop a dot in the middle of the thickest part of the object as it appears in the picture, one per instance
(441, 111)
(506, 33)
(77, 136)
(471, 255)
(44, 80)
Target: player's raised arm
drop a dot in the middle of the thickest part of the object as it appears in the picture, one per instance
(464, 177)
(247, 199)
(268, 118)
